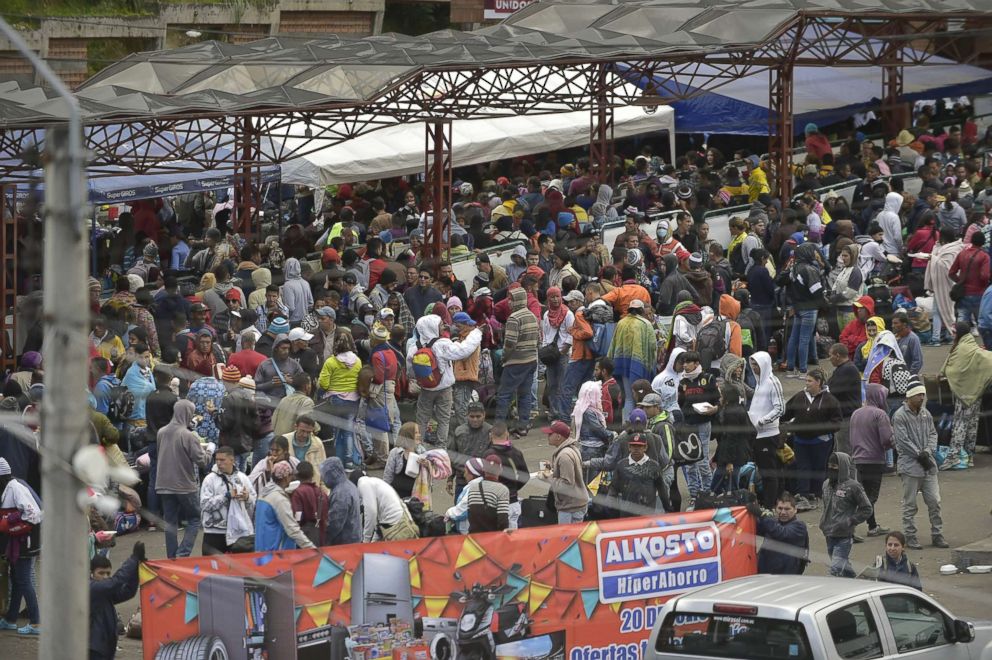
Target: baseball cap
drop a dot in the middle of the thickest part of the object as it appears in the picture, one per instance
(559, 427)
(574, 295)
(327, 311)
(280, 339)
(636, 303)
(637, 415)
(350, 278)
(233, 294)
(637, 440)
(198, 307)
(463, 318)
(651, 400)
(299, 333)
(387, 311)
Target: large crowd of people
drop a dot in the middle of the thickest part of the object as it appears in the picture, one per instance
(273, 398)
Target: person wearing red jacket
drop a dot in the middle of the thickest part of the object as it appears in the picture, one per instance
(502, 309)
(855, 333)
(971, 268)
(310, 505)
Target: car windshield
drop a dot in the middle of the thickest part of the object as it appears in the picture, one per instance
(732, 636)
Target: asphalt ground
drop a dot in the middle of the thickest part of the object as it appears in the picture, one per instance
(965, 506)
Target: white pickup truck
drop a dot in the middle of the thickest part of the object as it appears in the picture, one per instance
(769, 617)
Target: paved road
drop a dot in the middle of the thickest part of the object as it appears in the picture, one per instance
(966, 512)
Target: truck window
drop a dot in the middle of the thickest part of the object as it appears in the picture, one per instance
(915, 623)
(854, 632)
(730, 636)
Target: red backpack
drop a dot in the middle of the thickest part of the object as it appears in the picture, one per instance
(425, 366)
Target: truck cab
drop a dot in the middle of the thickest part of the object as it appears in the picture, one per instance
(770, 617)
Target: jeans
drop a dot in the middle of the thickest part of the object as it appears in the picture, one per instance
(554, 376)
(628, 396)
(767, 315)
(986, 334)
(576, 373)
(461, 394)
(22, 587)
(803, 329)
(514, 515)
(262, 448)
(568, 517)
(699, 475)
(516, 379)
(436, 405)
(178, 508)
(870, 477)
(931, 497)
(839, 549)
(344, 434)
(967, 308)
(811, 466)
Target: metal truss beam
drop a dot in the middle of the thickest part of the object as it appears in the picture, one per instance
(437, 176)
(781, 129)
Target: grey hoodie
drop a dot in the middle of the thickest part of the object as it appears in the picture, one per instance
(344, 517)
(179, 453)
(845, 505)
(953, 217)
(296, 294)
(891, 224)
(674, 282)
(914, 434)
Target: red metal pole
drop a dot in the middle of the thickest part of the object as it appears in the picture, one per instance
(601, 131)
(437, 175)
(781, 128)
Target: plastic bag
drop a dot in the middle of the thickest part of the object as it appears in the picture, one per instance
(239, 523)
(413, 465)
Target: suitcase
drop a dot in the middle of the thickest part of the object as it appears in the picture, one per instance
(724, 500)
(534, 512)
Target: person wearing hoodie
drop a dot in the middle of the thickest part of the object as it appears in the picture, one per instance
(855, 332)
(261, 278)
(522, 333)
(666, 384)
(814, 416)
(806, 293)
(916, 445)
(845, 506)
(673, 283)
(700, 280)
(950, 214)
(295, 292)
(891, 224)
(732, 372)
(224, 483)
(276, 527)
(339, 381)
(436, 402)
(179, 455)
(275, 374)
(871, 437)
(344, 512)
(767, 407)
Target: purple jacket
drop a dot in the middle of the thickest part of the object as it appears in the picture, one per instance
(871, 429)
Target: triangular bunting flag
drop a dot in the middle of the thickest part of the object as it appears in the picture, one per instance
(572, 556)
(590, 599)
(345, 588)
(145, 574)
(192, 607)
(416, 601)
(538, 594)
(296, 614)
(435, 605)
(436, 552)
(414, 573)
(327, 570)
(615, 607)
(470, 552)
(319, 612)
(723, 516)
(518, 583)
(590, 533)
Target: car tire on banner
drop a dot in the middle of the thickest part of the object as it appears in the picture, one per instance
(203, 647)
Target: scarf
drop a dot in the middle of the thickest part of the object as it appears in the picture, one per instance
(556, 312)
(694, 373)
(590, 398)
(870, 341)
(968, 370)
(736, 241)
(885, 344)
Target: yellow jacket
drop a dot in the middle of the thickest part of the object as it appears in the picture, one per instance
(336, 376)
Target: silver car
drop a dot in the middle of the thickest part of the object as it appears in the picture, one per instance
(766, 617)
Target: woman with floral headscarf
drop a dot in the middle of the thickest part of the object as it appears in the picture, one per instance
(590, 423)
(873, 326)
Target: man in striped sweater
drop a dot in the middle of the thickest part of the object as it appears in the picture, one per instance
(520, 339)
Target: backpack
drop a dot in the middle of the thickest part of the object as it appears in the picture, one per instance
(736, 258)
(749, 324)
(688, 448)
(711, 341)
(602, 337)
(121, 404)
(748, 478)
(425, 366)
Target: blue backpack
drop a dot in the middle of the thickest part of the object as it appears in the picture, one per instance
(748, 478)
(602, 337)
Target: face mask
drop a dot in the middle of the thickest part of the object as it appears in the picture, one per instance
(369, 320)
(832, 474)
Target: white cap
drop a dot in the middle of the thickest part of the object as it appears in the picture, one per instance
(299, 333)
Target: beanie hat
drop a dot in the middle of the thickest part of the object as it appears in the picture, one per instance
(134, 282)
(31, 360)
(150, 250)
(231, 374)
(915, 387)
(4, 467)
(279, 326)
(811, 128)
(475, 465)
(282, 470)
(94, 284)
(247, 383)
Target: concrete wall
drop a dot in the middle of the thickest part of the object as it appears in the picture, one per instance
(64, 41)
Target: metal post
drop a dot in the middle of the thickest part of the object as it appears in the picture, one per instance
(437, 176)
(65, 601)
(64, 421)
(244, 192)
(892, 110)
(8, 277)
(601, 131)
(781, 128)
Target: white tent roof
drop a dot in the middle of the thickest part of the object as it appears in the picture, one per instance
(399, 150)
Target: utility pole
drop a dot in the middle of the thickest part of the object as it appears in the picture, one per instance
(65, 598)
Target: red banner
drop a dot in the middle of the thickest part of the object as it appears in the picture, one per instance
(580, 592)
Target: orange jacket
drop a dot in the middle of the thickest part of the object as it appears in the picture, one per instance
(621, 296)
(731, 308)
(467, 370)
(581, 332)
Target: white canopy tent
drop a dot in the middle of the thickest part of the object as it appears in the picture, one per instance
(399, 150)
